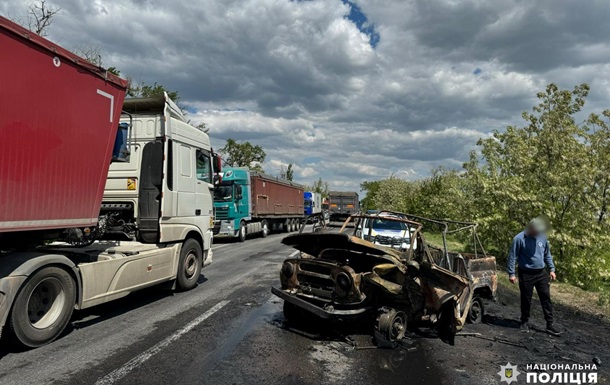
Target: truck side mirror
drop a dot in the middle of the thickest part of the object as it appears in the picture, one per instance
(238, 192)
(217, 179)
(217, 164)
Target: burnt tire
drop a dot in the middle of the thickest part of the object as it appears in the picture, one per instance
(241, 235)
(189, 265)
(43, 307)
(476, 312)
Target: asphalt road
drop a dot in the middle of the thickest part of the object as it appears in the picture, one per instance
(228, 330)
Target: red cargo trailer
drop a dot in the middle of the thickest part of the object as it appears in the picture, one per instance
(56, 109)
(274, 197)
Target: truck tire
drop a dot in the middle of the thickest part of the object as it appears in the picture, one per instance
(294, 225)
(189, 265)
(286, 226)
(241, 236)
(264, 229)
(43, 307)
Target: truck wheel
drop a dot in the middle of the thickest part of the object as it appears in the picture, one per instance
(286, 226)
(264, 229)
(295, 225)
(475, 315)
(189, 265)
(241, 236)
(43, 307)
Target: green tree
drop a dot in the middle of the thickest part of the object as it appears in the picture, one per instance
(319, 186)
(143, 90)
(289, 172)
(371, 188)
(554, 167)
(243, 155)
(286, 173)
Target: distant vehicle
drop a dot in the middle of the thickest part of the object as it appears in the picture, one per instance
(75, 170)
(342, 204)
(248, 202)
(325, 209)
(312, 202)
(385, 230)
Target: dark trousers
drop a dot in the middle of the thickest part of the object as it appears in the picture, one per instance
(539, 279)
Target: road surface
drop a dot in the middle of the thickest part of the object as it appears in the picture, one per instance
(228, 330)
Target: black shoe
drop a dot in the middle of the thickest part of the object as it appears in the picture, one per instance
(525, 327)
(552, 330)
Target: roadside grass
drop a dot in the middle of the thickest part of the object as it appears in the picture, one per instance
(453, 244)
(570, 296)
(596, 303)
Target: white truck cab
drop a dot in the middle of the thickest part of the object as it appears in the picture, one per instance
(155, 226)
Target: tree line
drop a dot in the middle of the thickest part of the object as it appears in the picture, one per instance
(553, 165)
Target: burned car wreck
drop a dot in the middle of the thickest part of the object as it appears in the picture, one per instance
(339, 276)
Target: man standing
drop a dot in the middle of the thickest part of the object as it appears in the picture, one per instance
(531, 251)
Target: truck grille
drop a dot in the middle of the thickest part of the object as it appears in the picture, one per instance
(390, 241)
(222, 212)
(316, 279)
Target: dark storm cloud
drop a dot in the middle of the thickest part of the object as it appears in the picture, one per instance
(365, 88)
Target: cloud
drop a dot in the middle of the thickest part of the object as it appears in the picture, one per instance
(349, 90)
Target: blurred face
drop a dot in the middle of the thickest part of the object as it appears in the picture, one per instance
(531, 231)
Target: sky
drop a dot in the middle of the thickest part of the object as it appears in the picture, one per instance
(349, 90)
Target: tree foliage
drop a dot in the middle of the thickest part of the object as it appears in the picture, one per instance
(243, 155)
(319, 186)
(143, 90)
(552, 166)
(287, 173)
(371, 188)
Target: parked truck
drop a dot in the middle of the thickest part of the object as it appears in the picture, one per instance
(95, 203)
(312, 202)
(342, 204)
(248, 202)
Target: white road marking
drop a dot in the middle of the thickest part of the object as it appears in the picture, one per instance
(216, 247)
(124, 370)
(294, 253)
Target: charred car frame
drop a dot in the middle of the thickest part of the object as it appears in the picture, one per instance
(340, 276)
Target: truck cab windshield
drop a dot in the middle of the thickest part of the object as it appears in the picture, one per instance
(307, 202)
(223, 193)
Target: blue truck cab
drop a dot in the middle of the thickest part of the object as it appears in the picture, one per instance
(312, 203)
(232, 202)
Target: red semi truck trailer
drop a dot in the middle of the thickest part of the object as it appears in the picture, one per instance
(77, 163)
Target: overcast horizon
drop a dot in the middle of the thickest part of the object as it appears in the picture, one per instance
(348, 90)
